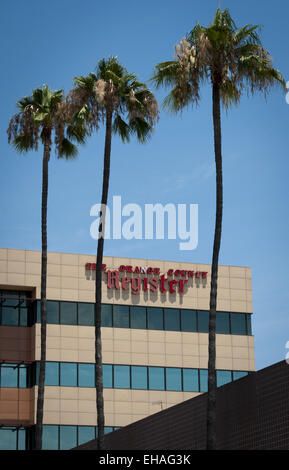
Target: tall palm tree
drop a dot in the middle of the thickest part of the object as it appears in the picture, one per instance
(231, 59)
(43, 114)
(126, 107)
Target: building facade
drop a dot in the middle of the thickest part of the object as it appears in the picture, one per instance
(154, 335)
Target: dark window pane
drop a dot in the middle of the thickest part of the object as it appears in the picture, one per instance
(139, 377)
(238, 321)
(156, 378)
(189, 320)
(23, 376)
(238, 374)
(68, 374)
(173, 379)
(68, 313)
(249, 324)
(38, 311)
(121, 377)
(23, 317)
(203, 321)
(10, 316)
(86, 314)
(85, 434)
(121, 316)
(107, 375)
(8, 439)
(86, 375)
(203, 380)
(9, 375)
(223, 377)
(50, 438)
(172, 319)
(138, 317)
(106, 315)
(191, 380)
(222, 323)
(52, 373)
(21, 439)
(67, 437)
(52, 312)
(155, 318)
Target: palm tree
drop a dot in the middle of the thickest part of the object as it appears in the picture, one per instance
(41, 115)
(231, 59)
(126, 107)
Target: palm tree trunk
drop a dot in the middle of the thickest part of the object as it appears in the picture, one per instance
(212, 384)
(40, 396)
(98, 275)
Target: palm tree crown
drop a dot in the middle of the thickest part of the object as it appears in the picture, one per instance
(113, 91)
(229, 57)
(40, 115)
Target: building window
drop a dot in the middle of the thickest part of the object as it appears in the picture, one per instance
(238, 374)
(51, 373)
(223, 377)
(68, 313)
(238, 324)
(191, 380)
(189, 320)
(223, 323)
(52, 309)
(9, 375)
(85, 434)
(138, 317)
(203, 321)
(68, 374)
(249, 324)
(50, 437)
(86, 376)
(173, 379)
(203, 380)
(15, 307)
(172, 319)
(86, 314)
(106, 315)
(139, 377)
(156, 378)
(68, 437)
(121, 316)
(121, 376)
(155, 318)
(107, 376)
(12, 438)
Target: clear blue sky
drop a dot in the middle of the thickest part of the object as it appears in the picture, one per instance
(51, 42)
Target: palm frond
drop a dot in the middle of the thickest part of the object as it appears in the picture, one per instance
(23, 143)
(121, 128)
(141, 128)
(67, 150)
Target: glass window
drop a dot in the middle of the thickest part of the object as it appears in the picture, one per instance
(85, 314)
(23, 317)
(238, 374)
(68, 374)
(9, 375)
(85, 434)
(155, 318)
(121, 377)
(222, 323)
(9, 316)
(249, 324)
(107, 375)
(139, 378)
(21, 439)
(107, 429)
(191, 380)
(173, 379)
(172, 319)
(189, 320)
(86, 375)
(223, 377)
(50, 437)
(238, 322)
(38, 311)
(121, 316)
(203, 380)
(68, 437)
(156, 378)
(138, 317)
(106, 315)
(23, 376)
(203, 321)
(52, 312)
(68, 313)
(8, 439)
(51, 373)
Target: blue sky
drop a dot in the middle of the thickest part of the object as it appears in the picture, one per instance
(53, 42)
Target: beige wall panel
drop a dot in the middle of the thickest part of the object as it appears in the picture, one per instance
(16, 279)
(242, 353)
(33, 268)
(223, 305)
(16, 255)
(240, 340)
(3, 278)
(238, 305)
(16, 267)
(238, 294)
(224, 351)
(223, 340)
(223, 363)
(54, 270)
(241, 364)
(51, 417)
(190, 349)
(3, 254)
(173, 361)
(236, 271)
